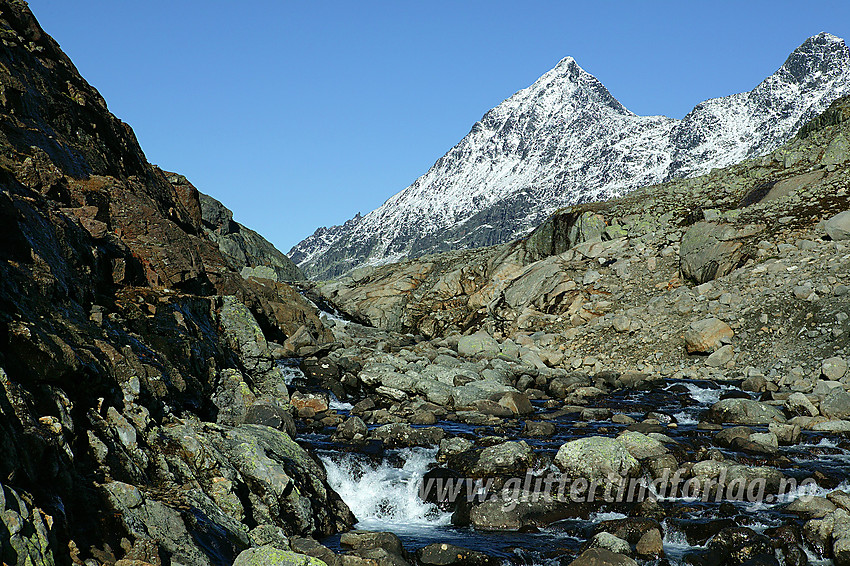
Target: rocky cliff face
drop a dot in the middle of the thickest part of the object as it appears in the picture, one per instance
(566, 140)
(245, 250)
(136, 364)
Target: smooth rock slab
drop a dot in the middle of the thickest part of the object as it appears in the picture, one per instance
(477, 344)
(836, 405)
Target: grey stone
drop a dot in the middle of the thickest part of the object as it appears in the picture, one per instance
(711, 250)
(27, 537)
(444, 554)
(786, 434)
(595, 457)
(404, 435)
(838, 227)
(834, 368)
(271, 556)
(602, 557)
(836, 405)
(245, 250)
(811, 507)
(478, 344)
(744, 411)
(705, 336)
(506, 459)
(353, 428)
(798, 404)
(641, 446)
(452, 446)
(721, 357)
(610, 542)
(358, 540)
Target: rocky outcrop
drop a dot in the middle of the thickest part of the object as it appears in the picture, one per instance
(246, 251)
(710, 250)
(125, 336)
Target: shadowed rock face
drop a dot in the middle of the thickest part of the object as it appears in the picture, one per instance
(245, 250)
(111, 317)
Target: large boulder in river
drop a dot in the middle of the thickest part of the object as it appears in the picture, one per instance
(745, 412)
(602, 557)
(444, 554)
(596, 458)
(507, 458)
(741, 544)
(515, 510)
(270, 556)
(640, 445)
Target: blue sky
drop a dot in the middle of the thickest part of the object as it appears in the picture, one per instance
(300, 114)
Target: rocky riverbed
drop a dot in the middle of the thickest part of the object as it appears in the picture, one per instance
(772, 466)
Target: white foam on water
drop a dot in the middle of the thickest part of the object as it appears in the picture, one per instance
(528, 558)
(686, 418)
(704, 395)
(824, 443)
(290, 374)
(338, 405)
(675, 543)
(810, 489)
(606, 516)
(384, 497)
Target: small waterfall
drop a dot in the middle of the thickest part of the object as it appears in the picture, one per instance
(705, 397)
(382, 496)
(675, 543)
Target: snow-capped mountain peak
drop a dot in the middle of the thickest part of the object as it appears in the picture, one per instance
(566, 139)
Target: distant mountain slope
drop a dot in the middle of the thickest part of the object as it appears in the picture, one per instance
(566, 139)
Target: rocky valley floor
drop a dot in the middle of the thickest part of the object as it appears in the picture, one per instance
(659, 379)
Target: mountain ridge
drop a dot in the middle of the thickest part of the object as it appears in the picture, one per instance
(563, 140)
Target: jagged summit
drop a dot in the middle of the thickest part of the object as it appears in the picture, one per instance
(822, 53)
(566, 139)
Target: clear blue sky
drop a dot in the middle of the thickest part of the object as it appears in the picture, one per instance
(300, 114)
